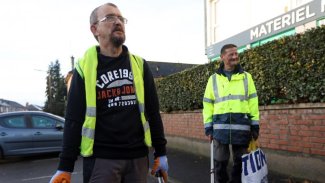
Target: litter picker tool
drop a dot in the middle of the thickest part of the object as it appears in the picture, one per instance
(212, 162)
(160, 177)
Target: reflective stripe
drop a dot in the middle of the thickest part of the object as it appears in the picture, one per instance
(223, 99)
(230, 97)
(255, 122)
(246, 85)
(231, 126)
(146, 126)
(253, 95)
(208, 100)
(88, 132)
(141, 107)
(91, 111)
(208, 125)
(215, 86)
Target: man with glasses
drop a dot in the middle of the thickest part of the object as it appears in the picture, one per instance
(112, 113)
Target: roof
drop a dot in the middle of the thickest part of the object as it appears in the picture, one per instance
(33, 107)
(8, 103)
(162, 69)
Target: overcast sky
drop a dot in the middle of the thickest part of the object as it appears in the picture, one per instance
(35, 33)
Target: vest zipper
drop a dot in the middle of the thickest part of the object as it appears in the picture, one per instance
(230, 129)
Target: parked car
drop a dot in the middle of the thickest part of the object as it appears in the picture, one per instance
(30, 132)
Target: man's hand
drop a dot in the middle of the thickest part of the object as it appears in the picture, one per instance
(254, 134)
(210, 138)
(61, 177)
(161, 164)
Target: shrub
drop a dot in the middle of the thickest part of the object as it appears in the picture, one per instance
(287, 70)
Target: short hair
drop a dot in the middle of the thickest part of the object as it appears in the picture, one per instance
(226, 46)
(94, 16)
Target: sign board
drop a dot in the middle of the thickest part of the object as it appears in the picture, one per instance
(298, 16)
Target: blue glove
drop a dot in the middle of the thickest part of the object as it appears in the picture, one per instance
(161, 164)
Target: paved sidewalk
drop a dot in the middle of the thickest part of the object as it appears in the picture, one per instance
(190, 168)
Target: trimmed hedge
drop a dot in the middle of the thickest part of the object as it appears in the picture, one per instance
(287, 70)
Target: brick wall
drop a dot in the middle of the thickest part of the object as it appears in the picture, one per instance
(185, 124)
(295, 128)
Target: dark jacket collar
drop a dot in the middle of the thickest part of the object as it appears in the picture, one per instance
(238, 69)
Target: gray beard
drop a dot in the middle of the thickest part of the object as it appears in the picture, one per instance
(117, 41)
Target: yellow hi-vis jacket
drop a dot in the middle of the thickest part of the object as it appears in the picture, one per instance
(230, 108)
(87, 69)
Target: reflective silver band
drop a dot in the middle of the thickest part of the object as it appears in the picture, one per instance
(215, 86)
(87, 132)
(208, 100)
(230, 97)
(246, 85)
(91, 111)
(231, 126)
(223, 99)
(208, 125)
(253, 95)
(141, 107)
(146, 126)
(255, 122)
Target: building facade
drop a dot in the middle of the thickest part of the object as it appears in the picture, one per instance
(251, 23)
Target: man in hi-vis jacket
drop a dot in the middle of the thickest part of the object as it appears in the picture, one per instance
(230, 112)
(112, 113)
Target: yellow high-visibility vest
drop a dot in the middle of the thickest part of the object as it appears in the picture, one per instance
(87, 69)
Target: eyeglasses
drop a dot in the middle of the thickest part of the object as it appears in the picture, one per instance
(113, 19)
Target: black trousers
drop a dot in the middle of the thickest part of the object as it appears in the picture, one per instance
(221, 159)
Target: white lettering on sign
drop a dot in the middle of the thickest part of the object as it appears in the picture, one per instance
(293, 17)
(308, 14)
(277, 24)
(262, 31)
(283, 21)
(254, 33)
(269, 24)
(300, 14)
(286, 20)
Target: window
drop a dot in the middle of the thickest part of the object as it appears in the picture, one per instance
(14, 122)
(43, 122)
